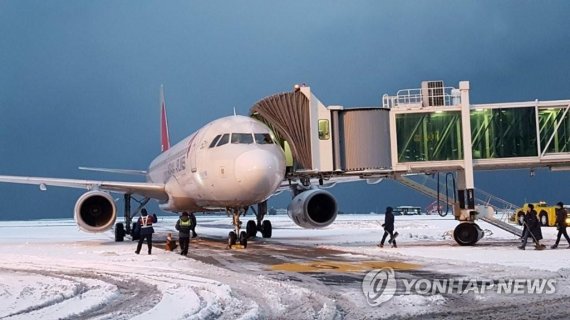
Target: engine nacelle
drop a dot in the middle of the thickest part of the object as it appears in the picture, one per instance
(95, 211)
(313, 208)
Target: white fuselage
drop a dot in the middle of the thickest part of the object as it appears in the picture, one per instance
(242, 167)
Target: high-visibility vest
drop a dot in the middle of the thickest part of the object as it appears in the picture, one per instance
(186, 223)
(146, 222)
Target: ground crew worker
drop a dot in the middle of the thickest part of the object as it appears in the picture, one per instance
(532, 229)
(561, 215)
(184, 225)
(193, 227)
(388, 228)
(145, 223)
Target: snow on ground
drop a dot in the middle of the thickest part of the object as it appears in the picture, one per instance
(419, 236)
(49, 269)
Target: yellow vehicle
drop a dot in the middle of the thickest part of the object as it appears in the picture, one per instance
(546, 214)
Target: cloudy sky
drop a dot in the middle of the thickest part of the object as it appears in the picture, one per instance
(79, 80)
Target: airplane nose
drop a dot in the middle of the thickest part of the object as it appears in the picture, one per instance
(260, 172)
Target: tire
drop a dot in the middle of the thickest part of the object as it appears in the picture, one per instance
(251, 229)
(266, 229)
(135, 232)
(520, 218)
(243, 239)
(543, 218)
(119, 232)
(467, 234)
(232, 238)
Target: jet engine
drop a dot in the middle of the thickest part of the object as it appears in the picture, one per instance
(95, 211)
(314, 208)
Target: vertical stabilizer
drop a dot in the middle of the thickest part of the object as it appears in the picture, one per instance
(164, 136)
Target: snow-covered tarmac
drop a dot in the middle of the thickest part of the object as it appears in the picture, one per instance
(51, 270)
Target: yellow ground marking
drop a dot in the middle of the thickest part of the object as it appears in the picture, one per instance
(343, 266)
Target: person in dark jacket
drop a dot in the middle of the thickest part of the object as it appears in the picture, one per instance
(184, 226)
(388, 228)
(532, 229)
(561, 215)
(193, 227)
(145, 224)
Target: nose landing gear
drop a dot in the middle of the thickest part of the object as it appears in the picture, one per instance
(233, 235)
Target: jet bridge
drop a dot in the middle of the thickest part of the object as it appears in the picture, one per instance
(330, 140)
(430, 129)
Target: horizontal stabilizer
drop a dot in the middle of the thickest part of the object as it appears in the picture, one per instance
(120, 171)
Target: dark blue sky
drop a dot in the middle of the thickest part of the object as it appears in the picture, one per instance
(79, 79)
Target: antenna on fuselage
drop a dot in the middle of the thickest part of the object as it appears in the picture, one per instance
(164, 136)
(235, 114)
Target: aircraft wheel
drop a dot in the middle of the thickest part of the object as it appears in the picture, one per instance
(135, 232)
(232, 238)
(251, 229)
(467, 234)
(243, 239)
(119, 232)
(266, 229)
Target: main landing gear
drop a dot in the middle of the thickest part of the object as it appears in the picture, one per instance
(121, 230)
(467, 233)
(237, 236)
(264, 226)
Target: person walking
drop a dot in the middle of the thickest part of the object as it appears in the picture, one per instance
(184, 226)
(193, 227)
(561, 215)
(388, 228)
(145, 223)
(532, 229)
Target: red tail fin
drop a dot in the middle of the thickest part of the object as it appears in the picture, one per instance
(164, 136)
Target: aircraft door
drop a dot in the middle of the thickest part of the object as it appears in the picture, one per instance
(198, 146)
(193, 153)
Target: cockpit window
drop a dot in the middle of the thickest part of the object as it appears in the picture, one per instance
(215, 141)
(263, 138)
(223, 140)
(242, 138)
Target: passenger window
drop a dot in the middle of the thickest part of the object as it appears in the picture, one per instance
(263, 138)
(215, 141)
(223, 140)
(324, 132)
(242, 138)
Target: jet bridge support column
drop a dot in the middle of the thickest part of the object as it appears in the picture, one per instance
(467, 232)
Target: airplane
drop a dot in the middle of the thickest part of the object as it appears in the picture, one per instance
(231, 163)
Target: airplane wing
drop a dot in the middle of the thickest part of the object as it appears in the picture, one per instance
(151, 190)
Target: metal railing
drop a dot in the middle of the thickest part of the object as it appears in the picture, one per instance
(447, 96)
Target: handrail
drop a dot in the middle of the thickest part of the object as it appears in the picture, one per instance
(414, 96)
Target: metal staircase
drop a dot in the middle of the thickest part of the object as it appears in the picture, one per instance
(498, 204)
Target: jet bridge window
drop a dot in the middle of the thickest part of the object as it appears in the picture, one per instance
(263, 138)
(242, 138)
(223, 140)
(324, 132)
(215, 141)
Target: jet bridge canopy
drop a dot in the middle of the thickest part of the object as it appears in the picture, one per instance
(288, 115)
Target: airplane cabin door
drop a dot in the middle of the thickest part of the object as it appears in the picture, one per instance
(193, 153)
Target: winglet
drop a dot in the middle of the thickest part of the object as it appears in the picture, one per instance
(164, 136)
